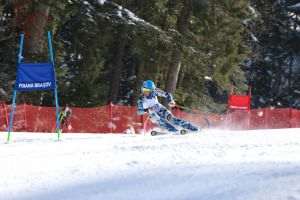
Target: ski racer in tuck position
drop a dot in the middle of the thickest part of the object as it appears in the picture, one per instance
(158, 113)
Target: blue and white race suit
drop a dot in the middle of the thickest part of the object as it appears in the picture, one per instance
(159, 114)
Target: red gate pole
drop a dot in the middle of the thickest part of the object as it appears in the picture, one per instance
(6, 113)
(25, 118)
(111, 116)
(290, 118)
(249, 107)
(145, 123)
(142, 121)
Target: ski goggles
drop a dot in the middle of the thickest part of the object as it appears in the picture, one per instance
(146, 90)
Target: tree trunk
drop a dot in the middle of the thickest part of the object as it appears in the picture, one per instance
(182, 27)
(32, 19)
(185, 14)
(35, 25)
(173, 71)
(117, 66)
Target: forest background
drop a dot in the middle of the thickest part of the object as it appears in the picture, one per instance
(199, 50)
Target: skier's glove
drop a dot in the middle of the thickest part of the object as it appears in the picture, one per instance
(146, 110)
(140, 111)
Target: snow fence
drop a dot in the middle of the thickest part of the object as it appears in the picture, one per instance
(104, 119)
(123, 119)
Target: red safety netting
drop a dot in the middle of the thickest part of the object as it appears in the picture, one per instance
(3, 116)
(105, 119)
(265, 118)
(120, 119)
(88, 120)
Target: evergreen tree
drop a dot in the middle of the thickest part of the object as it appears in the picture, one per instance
(8, 47)
(273, 70)
(105, 49)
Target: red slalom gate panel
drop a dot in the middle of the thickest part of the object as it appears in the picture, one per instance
(238, 115)
(240, 102)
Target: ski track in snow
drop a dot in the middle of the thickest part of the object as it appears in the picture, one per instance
(211, 165)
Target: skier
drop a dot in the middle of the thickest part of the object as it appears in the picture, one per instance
(159, 114)
(64, 115)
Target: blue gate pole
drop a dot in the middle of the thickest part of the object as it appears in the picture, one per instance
(51, 56)
(11, 116)
(12, 112)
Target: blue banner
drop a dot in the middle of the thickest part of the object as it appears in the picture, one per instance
(35, 76)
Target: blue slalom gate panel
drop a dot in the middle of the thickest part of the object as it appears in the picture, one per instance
(35, 76)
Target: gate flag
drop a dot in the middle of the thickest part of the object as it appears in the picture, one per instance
(35, 76)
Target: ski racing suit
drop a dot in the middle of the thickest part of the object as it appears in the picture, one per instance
(159, 114)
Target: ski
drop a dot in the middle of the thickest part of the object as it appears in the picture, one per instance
(181, 132)
(154, 133)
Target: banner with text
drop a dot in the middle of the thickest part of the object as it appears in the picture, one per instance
(35, 76)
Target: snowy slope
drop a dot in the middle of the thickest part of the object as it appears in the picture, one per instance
(213, 165)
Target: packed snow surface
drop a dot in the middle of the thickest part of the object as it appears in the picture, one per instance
(211, 165)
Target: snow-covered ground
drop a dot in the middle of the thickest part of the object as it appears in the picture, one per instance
(212, 165)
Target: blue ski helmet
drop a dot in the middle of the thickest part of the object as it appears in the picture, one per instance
(149, 85)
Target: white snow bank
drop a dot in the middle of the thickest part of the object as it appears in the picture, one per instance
(212, 165)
